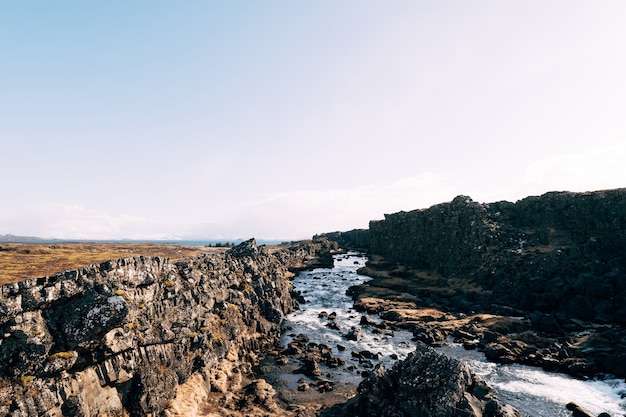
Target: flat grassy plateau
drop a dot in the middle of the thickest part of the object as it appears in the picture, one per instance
(21, 261)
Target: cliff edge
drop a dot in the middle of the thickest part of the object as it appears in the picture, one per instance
(144, 336)
(558, 259)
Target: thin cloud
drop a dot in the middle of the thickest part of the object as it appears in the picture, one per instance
(302, 213)
(71, 221)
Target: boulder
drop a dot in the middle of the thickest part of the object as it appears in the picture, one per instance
(309, 368)
(244, 249)
(366, 321)
(355, 333)
(578, 411)
(425, 384)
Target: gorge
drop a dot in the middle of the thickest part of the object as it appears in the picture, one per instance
(557, 260)
(538, 282)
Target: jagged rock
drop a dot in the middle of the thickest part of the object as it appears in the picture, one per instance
(365, 354)
(323, 385)
(355, 333)
(303, 385)
(558, 259)
(333, 325)
(425, 384)
(282, 360)
(244, 249)
(335, 362)
(261, 392)
(309, 368)
(432, 336)
(131, 336)
(84, 319)
(507, 352)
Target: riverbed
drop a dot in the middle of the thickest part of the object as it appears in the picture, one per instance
(532, 391)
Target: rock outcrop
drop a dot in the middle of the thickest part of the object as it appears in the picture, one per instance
(425, 384)
(140, 336)
(560, 252)
(558, 259)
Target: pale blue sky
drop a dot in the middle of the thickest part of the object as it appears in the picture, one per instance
(281, 119)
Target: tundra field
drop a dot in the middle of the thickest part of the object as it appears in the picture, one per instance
(20, 261)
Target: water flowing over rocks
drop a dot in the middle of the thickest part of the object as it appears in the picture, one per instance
(425, 384)
(539, 282)
(558, 261)
(147, 337)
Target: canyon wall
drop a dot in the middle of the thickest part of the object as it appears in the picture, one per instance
(557, 253)
(141, 336)
(558, 259)
(464, 235)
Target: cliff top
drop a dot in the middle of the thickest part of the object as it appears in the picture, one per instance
(21, 261)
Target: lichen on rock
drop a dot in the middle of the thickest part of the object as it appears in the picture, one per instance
(130, 336)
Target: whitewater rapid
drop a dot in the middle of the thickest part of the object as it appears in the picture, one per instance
(532, 391)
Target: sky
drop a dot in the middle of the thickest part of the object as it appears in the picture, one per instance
(281, 119)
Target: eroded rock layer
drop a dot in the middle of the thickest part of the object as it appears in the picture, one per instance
(144, 336)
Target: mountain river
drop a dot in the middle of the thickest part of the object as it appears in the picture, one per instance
(532, 391)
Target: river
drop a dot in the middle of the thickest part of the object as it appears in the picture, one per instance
(532, 391)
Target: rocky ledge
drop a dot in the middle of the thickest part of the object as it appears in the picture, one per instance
(541, 281)
(147, 337)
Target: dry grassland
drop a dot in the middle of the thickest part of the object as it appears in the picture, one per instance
(20, 261)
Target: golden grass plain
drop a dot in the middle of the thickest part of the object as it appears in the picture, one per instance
(21, 261)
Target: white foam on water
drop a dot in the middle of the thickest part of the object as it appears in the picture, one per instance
(532, 391)
(535, 392)
(325, 291)
(596, 396)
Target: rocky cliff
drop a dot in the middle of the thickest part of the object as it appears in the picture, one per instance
(558, 259)
(144, 336)
(560, 252)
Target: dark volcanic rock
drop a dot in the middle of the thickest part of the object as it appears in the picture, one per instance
(309, 368)
(558, 252)
(355, 333)
(464, 235)
(558, 259)
(425, 384)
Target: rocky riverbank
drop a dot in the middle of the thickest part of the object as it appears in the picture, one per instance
(505, 335)
(540, 282)
(146, 337)
(325, 354)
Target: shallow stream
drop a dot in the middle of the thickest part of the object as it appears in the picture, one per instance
(532, 391)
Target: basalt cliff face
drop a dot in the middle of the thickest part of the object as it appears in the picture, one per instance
(144, 336)
(558, 259)
(561, 252)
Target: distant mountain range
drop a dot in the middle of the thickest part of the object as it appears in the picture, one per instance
(13, 238)
(184, 242)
